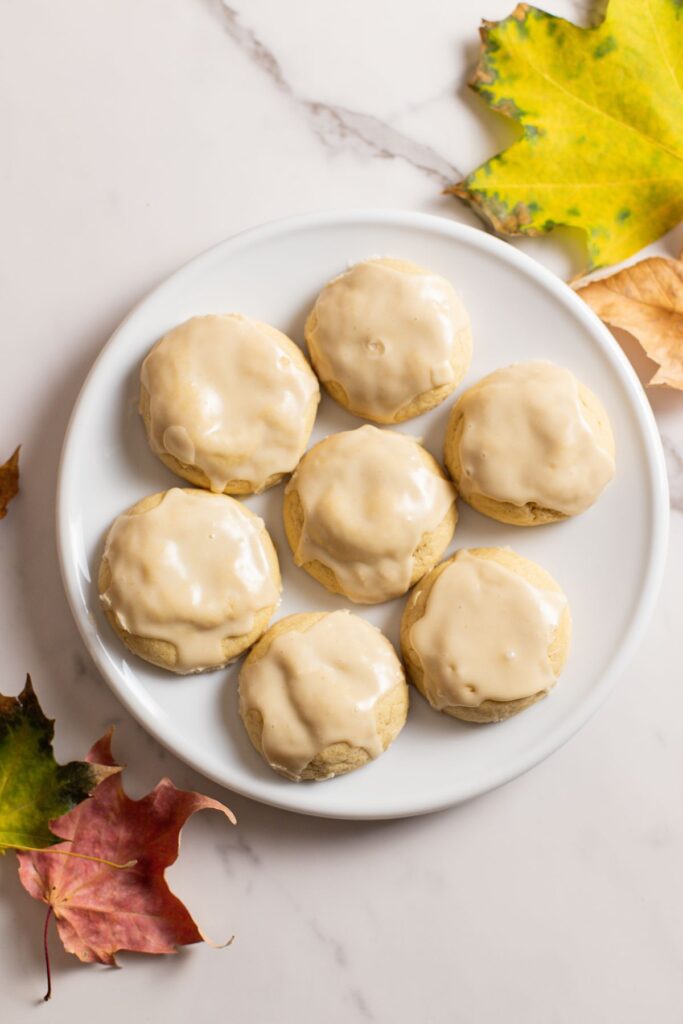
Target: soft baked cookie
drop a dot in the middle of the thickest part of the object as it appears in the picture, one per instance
(389, 340)
(529, 444)
(485, 634)
(368, 512)
(321, 694)
(189, 579)
(228, 402)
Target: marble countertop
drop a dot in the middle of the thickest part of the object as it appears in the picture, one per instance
(136, 134)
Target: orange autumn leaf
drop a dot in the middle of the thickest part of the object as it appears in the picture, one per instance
(99, 908)
(646, 300)
(9, 482)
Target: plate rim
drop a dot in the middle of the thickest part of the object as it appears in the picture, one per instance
(658, 490)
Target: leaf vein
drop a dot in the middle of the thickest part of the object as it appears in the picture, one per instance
(581, 184)
(598, 110)
(665, 55)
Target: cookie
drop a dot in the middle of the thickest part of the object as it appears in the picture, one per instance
(188, 579)
(485, 634)
(228, 403)
(368, 512)
(389, 340)
(321, 694)
(529, 445)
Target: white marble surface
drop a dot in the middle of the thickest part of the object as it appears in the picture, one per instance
(135, 134)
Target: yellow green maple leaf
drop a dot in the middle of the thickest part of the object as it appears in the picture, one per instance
(34, 788)
(602, 116)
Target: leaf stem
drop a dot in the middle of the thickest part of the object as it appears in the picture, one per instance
(47, 955)
(72, 853)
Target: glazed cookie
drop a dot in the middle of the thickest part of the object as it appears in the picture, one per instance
(368, 512)
(389, 340)
(228, 403)
(321, 694)
(529, 444)
(485, 634)
(189, 579)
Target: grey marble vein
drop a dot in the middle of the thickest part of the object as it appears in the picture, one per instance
(338, 126)
(356, 997)
(336, 948)
(341, 959)
(674, 465)
(238, 846)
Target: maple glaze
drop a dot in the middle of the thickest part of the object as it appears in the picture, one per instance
(485, 634)
(193, 571)
(230, 396)
(320, 687)
(526, 439)
(388, 335)
(368, 498)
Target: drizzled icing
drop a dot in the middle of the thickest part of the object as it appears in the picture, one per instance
(485, 634)
(193, 571)
(388, 335)
(320, 687)
(525, 438)
(368, 497)
(230, 396)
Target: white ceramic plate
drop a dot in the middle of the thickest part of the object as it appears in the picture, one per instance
(609, 560)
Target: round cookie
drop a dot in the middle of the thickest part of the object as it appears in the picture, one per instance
(228, 403)
(529, 444)
(389, 340)
(488, 644)
(173, 579)
(322, 694)
(368, 512)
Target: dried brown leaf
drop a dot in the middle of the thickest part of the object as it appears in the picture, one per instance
(646, 300)
(9, 482)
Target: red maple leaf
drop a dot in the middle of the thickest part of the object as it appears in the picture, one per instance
(100, 908)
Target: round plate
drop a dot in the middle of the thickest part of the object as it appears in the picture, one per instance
(609, 560)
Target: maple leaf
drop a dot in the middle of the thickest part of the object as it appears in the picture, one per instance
(9, 482)
(602, 116)
(33, 787)
(646, 300)
(100, 909)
